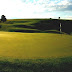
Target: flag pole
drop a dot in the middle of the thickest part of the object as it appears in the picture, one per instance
(60, 28)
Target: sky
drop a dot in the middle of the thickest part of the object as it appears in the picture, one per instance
(21, 9)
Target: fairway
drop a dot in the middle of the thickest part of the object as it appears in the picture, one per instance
(34, 45)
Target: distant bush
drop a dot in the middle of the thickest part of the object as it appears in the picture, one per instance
(50, 18)
(58, 17)
(3, 18)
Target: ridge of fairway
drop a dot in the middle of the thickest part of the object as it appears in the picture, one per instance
(34, 45)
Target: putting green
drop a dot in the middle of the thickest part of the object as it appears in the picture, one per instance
(34, 45)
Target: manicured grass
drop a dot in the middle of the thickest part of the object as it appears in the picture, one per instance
(34, 45)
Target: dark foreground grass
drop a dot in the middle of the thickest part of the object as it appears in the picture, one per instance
(63, 64)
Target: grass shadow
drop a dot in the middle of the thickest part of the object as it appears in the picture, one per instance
(63, 64)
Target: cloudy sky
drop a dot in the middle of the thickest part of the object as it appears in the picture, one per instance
(13, 9)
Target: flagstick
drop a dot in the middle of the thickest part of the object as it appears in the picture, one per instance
(60, 29)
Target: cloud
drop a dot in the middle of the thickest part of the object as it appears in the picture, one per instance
(34, 8)
(69, 17)
(65, 6)
(59, 5)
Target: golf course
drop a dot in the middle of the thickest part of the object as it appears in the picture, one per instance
(34, 45)
(25, 47)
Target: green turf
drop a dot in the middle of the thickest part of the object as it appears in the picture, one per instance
(35, 45)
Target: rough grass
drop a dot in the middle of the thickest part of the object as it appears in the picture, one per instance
(62, 64)
(19, 25)
(36, 25)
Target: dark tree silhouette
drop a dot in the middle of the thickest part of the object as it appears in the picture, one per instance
(50, 18)
(3, 18)
(59, 17)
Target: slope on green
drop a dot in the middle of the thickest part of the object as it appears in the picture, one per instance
(34, 45)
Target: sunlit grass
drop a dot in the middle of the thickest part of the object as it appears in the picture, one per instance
(34, 45)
